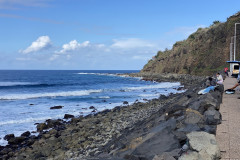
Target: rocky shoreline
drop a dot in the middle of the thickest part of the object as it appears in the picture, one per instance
(157, 128)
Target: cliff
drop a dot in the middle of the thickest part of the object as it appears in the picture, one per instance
(202, 53)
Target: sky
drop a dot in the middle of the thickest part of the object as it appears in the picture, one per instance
(99, 34)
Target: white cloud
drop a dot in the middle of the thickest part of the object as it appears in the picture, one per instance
(41, 43)
(73, 46)
(131, 43)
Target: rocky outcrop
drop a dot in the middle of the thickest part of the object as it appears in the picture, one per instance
(204, 52)
(203, 147)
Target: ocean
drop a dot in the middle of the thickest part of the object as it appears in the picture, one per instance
(27, 95)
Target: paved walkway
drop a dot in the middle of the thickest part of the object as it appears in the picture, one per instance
(228, 133)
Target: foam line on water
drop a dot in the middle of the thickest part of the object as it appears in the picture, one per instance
(54, 94)
(157, 86)
(7, 84)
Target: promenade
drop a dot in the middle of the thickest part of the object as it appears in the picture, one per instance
(228, 133)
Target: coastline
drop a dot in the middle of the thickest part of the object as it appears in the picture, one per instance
(115, 134)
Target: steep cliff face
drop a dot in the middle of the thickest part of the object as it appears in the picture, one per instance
(203, 53)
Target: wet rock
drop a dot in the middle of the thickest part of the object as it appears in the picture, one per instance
(125, 102)
(94, 110)
(92, 107)
(67, 116)
(56, 107)
(53, 123)
(41, 127)
(16, 140)
(9, 136)
(26, 134)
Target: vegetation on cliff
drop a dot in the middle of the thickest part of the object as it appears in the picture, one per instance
(202, 53)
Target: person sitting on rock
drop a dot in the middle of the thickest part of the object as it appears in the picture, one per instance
(219, 78)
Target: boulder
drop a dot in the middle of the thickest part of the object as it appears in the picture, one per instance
(16, 140)
(41, 127)
(53, 123)
(9, 136)
(92, 107)
(163, 156)
(191, 156)
(125, 102)
(205, 144)
(67, 116)
(212, 117)
(56, 107)
(193, 117)
(155, 145)
(26, 134)
(167, 155)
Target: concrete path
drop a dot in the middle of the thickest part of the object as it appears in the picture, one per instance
(228, 133)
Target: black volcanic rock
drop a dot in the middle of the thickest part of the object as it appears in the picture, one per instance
(56, 107)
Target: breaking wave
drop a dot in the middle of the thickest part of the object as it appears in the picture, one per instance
(54, 94)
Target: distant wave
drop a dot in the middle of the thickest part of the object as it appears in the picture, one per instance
(54, 94)
(23, 84)
(24, 120)
(149, 95)
(104, 97)
(100, 74)
(5, 84)
(157, 86)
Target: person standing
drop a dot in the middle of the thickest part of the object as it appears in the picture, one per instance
(219, 78)
(226, 71)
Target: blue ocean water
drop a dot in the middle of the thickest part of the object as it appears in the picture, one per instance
(27, 95)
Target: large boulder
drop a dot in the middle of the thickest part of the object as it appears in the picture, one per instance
(192, 155)
(56, 107)
(9, 136)
(41, 127)
(212, 117)
(155, 145)
(205, 144)
(16, 140)
(67, 116)
(193, 117)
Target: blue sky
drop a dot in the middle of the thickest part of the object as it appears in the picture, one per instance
(99, 34)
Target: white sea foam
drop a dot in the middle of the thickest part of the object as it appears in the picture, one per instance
(100, 74)
(5, 84)
(54, 94)
(104, 97)
(157, 86)
(20, 121)
(3, 142)
(149, 95)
